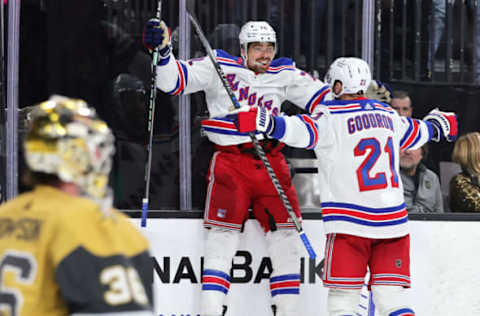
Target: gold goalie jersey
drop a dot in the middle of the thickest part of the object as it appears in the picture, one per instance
(59, 255)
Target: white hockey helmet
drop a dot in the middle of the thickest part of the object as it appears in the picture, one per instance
(256, 31)
(353, 73)
(65, 138)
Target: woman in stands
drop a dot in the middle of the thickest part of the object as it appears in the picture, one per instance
(465, 187)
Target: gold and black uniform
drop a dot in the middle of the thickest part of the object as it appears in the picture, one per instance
(60, 255)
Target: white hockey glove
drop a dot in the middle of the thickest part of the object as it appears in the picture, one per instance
(156, 34)
(444, 123)
(250, 119)
(379, 91)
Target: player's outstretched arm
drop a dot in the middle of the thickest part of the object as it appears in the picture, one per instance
(174, 76)
(297, 131)
(444, 124)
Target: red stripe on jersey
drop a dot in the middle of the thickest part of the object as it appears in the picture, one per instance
(374, 217)
(182, 80)
(319, 99)
(413, 135)
(341, 107)
(284, 284)
(219, 124)
(214, 280)
(312, 125)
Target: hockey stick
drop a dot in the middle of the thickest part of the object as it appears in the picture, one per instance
(255, 142)
(151, 115)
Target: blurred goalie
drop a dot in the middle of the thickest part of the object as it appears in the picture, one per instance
(66, 251)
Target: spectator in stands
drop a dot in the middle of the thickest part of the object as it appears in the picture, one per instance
(402, 103)
(421, 186)
(465, 187)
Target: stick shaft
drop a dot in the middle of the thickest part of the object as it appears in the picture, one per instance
(151, 117)
(255, 142)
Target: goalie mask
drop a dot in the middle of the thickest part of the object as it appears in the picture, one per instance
(256, 31)
(353, 73)
(66, 139)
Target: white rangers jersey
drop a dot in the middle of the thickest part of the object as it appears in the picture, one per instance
(357, 144)
(283, 81)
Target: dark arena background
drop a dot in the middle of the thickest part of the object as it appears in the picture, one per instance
(92, 49)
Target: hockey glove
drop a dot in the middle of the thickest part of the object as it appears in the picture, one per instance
(156, 34)
(255, 119)
(380, 91)
(444, 123)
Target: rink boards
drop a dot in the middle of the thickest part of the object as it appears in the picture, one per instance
(445, 263)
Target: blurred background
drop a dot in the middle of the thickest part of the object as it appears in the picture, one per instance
(92, 49)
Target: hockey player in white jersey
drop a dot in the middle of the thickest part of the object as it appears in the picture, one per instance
(357, 142)
(237, 179)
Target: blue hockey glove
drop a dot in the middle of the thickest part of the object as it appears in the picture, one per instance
(157, 35)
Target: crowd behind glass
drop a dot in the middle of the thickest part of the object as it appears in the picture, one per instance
(92, 49)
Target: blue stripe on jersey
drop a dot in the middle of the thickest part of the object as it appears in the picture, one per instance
(313, 99)
(163, 61)
(185, 72)
(364, 105)
(283, 61)
(280, 70)
(401, 312)
(407, 133)
(214, 287)
(225, 132)
(286, 291)
(364, 222)
(217, 273)
(312, 129)
(430, 129)
(285, 277)
(356, 110)
(364, 208)
(416, 138)
(224, 54)
(279, 130)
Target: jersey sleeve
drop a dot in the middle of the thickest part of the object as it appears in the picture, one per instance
(302, 131)
(306, 91)
(176, 77)
(414, 133)
(103, 275)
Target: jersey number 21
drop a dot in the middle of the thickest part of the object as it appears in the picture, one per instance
(378, 181)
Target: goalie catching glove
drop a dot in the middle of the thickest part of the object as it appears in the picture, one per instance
(444, 123)
(157, 35)
(251, 119)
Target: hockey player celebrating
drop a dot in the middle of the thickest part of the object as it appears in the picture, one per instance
(63, 249)
(357, 142)
(237, 179)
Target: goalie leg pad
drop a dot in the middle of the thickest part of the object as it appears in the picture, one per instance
(283, 248)
(220, 247)
(343, 302)
(391, 300)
